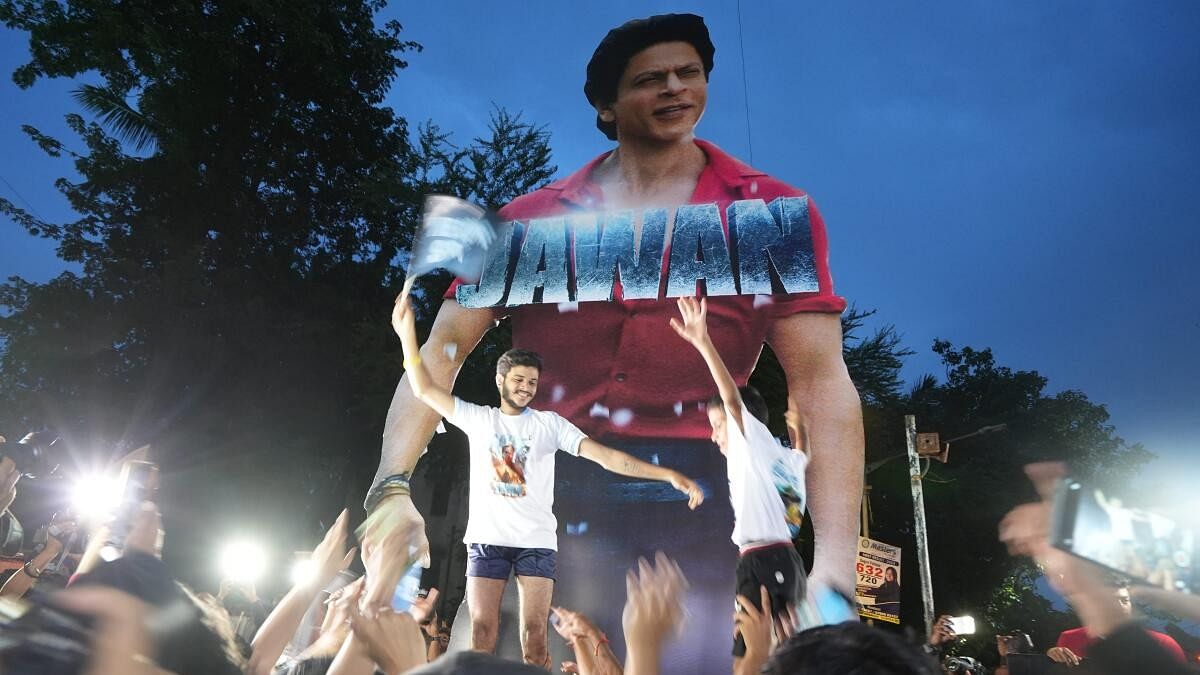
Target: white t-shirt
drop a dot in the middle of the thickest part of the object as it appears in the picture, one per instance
(766, 483)
(512, 473)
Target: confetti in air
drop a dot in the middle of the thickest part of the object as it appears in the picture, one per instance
(451, 350)
(557, 393)
(753, 187)
(654, 459)
(577, 528)
(622, 417)
(564, 307)
(441, 428)
(762, 301)
(678, 408)
(598, 410)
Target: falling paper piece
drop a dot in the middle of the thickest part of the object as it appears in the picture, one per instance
(654, 459)
(753, 187)
(678, 408)
(441, 428)
(557, 393)
(564, 307)
(451, 350)
(622, 417)
(598, 410)
(762, 301)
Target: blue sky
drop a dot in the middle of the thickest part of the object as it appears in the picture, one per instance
(1017, 175)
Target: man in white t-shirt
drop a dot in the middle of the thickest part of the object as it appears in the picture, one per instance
(766, 481)
(511, 525)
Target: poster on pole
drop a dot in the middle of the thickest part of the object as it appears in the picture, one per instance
(877, 589)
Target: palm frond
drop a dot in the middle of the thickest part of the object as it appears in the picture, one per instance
(129, 124)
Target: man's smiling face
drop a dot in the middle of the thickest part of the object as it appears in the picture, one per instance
(518, 386)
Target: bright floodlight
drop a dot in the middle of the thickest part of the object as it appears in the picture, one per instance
(304, 570)
(242, 562)
(96, 496)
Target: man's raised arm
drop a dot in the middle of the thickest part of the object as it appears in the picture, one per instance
(693, 327)
(809, 347)
(410, 425)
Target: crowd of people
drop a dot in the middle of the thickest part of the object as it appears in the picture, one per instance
(121, 611)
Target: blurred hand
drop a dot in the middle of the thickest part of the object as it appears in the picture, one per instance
(653, 604)
(331, 556)
(943, 632)
(754, 625)
(145, 530)
(393, 639)
(8, 482)
(393, 537)
(573, 625)
(339, 606)
(121, 644)
(404, 320)
(688, 487)
(1062, 655)
(422, 608)
(694, 324)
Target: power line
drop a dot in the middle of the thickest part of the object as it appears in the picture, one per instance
(23, 200)
(745, 80)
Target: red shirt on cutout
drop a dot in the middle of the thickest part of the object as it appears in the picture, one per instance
(618, 367)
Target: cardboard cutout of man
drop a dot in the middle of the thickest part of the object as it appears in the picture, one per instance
(615, 368)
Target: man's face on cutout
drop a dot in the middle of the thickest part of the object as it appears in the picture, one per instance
(660, 96)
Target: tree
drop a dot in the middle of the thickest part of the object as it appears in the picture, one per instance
(244, 200)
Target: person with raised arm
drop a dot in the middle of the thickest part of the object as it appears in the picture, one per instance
(511, 527)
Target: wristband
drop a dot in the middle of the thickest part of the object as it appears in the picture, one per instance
(395, 484)
(27, 570)
(602, 641)
(414, 361)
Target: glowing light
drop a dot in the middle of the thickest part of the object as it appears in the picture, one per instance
(95, 497)
(303, 571)
(242, 562)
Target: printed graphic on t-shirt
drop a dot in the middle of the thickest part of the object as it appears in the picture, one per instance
(791, 491)
(509, 455)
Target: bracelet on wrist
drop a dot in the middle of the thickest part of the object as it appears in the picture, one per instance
(395, 484)
(31, 571)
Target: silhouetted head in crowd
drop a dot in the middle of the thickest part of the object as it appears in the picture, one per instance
(850, 648)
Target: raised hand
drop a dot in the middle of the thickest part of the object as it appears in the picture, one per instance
(331, 556)
(404, 320)
(754, 625)
(391, 542)
(653, 608)
(393, 639)
(694, 324)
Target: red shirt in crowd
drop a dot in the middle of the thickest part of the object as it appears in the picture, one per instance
(618, 367)
(1079, 641)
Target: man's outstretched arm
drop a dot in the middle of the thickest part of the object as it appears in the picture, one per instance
(809, 347)
(430, 392)
(627, 465)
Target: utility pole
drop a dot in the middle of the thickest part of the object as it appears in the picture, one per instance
(914, 472)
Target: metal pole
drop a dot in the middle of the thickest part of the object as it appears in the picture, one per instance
(914, 472)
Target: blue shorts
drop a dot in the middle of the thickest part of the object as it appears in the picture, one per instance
(497, 562)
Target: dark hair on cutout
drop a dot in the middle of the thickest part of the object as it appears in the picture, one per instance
(754, 402)
(619, 46)
(518, 357)
(850, 647)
